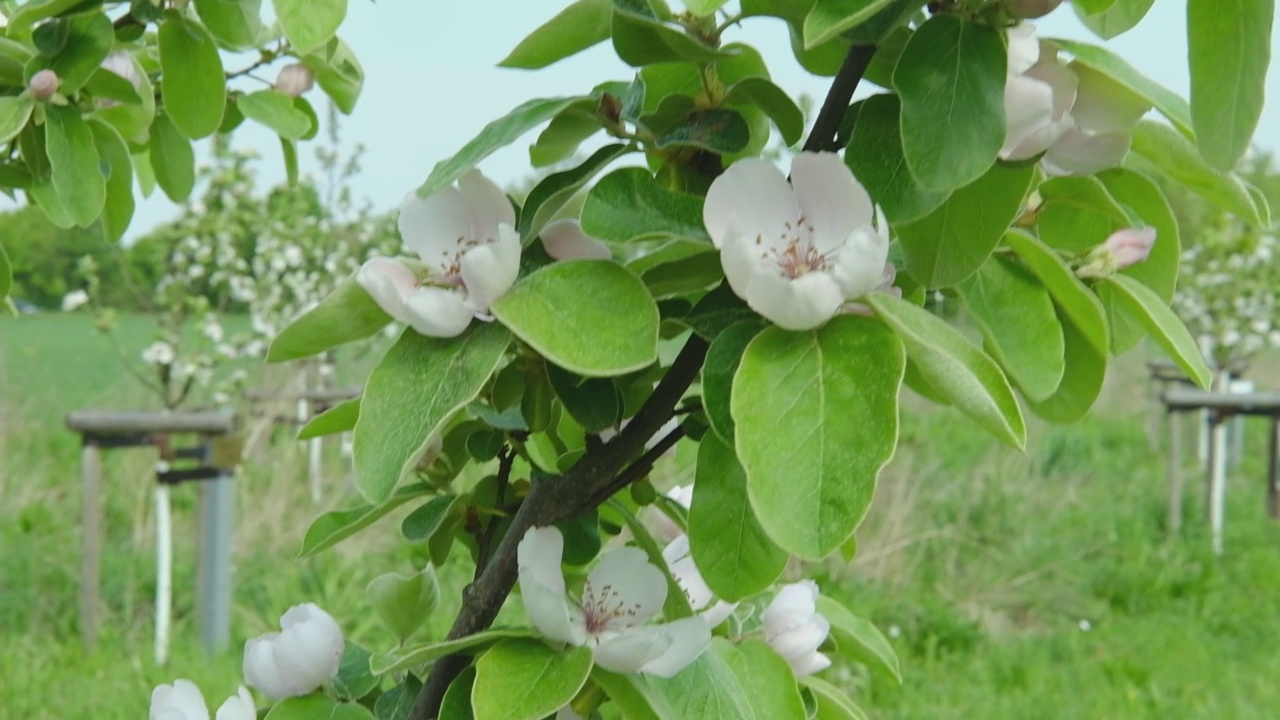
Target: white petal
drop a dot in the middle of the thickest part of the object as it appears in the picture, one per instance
(810, 664)
(690, 580)
(740, 256)
(858, 267)
(438, 312)
(831, 198)
(489, 271)
(238, 707)
(1028, 108)
(542, 584)
(389, 283)
(627, 651)
(752, 196)
(682, 494)
(791, 607)
(182, 700)
(565, 240)
(625, 577)
(1080, 153)
(717, 613)
(261, 670)
(677, 549)
(689, 638)
(305, 654)
(1059, 77)
(432, 226)
(487, 203)
(803, 640)
(1104, 105)
(800, 304)
(1024, 48)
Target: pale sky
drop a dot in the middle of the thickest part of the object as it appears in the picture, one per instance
(431, 83)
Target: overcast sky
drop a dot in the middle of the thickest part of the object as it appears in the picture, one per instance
(431, 83)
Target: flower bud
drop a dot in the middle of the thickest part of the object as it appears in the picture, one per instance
(1031, 8)
(795, 629)
(1130, 245)
(181, 700)
(304, 655)
(44, 84)
(295, 79)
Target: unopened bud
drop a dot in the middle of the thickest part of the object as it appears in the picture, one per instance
(1131, 245)
(44, 84)
(295, 79)
(1031, 8)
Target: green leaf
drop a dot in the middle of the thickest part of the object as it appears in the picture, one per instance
(594, 403)
(560, 139)
(105, 84)
(816, 417)
(456, 704)
(396, 703)
(310, 707)
(354, 679)
(829, 18)
(235, 24)
(418, 384)
(523, 679)
(723, 357)
(289, 150)
(277, 111)
(951, 79)
(1121, 17)
(132, 120)
(718, 130)
(346, 314)
(1071, 295)
(735, 554)
(1016, 315)
(859, 640)
(1229, 49)
(774, 102)
(583, 24)
(703, 8)
(339, 418)
(962, 373)
(952, 242)
(422, 524)
(6, 274)
(333, 527)
(73, 157)
(875, 156)
(309, 24)
(1086, 368)
(88, 41)
(1176, 157)
(118, 208)
(1165, 326)
(191, 78)
(631, 695)
(402, 603)
(628, 205)
(833, 703)
(707, 689)
(495, 135)
(640, 38)
(550, 195)
(766, 679)
(32, 12)
(338, 73)
(15, 110)
(716, 311)
(556, 307)
(402, 660)
(1167, 102)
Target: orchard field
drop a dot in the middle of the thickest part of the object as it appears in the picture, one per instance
(1036, 585)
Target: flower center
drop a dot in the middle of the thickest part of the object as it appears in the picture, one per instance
(603, 605)
(797, 254)
(450, 265)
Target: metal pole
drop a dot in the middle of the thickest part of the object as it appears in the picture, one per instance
(1175, 472)
(164, 572)
(90, 541)
(1217, 480)
(217, 502)
(1273, 470)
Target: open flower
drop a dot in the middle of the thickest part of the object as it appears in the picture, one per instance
(469, 254)
(685, 571)
(795, 252)
(159, 353)
(1038, 95)
(565, 240)
(1103, 115)
(300, 658)
(183, 701)
(795, 629)
(621, 593)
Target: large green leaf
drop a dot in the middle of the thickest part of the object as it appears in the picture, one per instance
(309, 24)
(1169, 103)
(495, 135)
(403, 659)
(560, 139)
(1228, 49)
(410, 395)
(719, 368)
(594, 403)
(118, 208)
(277, 111)
(1016, 315)
(640, 38)
(133, 120)
(631, 695)
(1136, 192)
(338, 73)
(15, 110)
(816, 417)
(346, 314)
(235, 24)
(629, 205)
(833, 703)
(88, 41)
(191, 79)
(354, 679)
(962, 373)
(523, 679)
(875, 155)
(951, 79)
(1117, 19)
(767, 681)
(730, 547)
(829, 18)
(29, 13)
(950, 243)
(339, 418)
(583, 24)
(396, 703)
(773, 101)
(858, 639)
(74, 162)
(309, 707)
(1086, 368)
(707, 689)
(335, 526)
(1165, 326)
(1175, 156)
(718, 130)
(553, 192)
(1075, 300)
(1077, 213)
(556, 308)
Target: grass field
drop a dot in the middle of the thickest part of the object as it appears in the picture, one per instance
(1036, 585)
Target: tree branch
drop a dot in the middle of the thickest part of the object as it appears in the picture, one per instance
(825, 126)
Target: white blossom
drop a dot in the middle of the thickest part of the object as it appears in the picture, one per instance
(304, 655)
(74, 300)
(1103, 114)
(795, 629)
(1038, 96)
(158, 353)
(685, 571)
(183, 701)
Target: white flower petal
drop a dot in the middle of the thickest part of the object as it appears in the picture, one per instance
(803, 640)
(238, 707)
(438, 311)
(434, 227)
(260, 668)
(625, 576)
(717, 613)
(831, 198)
(810, 664)
(1028, 108)
(791, 607)
(488, 205)
(542, 587)
(181, 701)
(628, 651)
(689, 637)
(1024, 48)
(389, 283)
(858, 267)
(565, 240)
(489, 271)
(1081, 153)
(1103, 105)
(740, 257)
(751, 195)
(302, 657)
(677, 549)
(800, 304)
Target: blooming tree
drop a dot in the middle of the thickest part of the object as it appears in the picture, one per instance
(769, 317)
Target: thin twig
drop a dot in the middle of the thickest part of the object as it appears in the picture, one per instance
(639, 468)
(506, 458)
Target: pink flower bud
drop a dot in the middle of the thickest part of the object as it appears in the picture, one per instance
(295, 79)
(1130, 245)
(44, 84)
(1031, 8)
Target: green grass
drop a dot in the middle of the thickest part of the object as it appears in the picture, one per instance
(985, 565)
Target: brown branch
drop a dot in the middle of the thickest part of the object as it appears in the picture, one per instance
(825, 126)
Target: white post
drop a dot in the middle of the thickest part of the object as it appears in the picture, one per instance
(1218, 483)
(164, 572)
